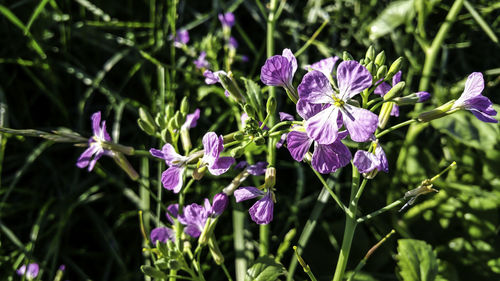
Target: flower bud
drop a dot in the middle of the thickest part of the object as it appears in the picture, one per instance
(237, 152)
(205, 233)
(395, 67)
(178, 120)
(165, 136)
(395, 91)
(184, 106)
(160, 121)
(436, 113)
(370, 54)
(270, 178)
(146, 127)
(371, 68)
(239, 135)
(380, 59)
(249, 110)
(423, 96)
(346, 56)
(231, 87)
(259, 141)
(385, 113)
(381, 72)
(174, 264)
(185, 139)
(215, 251)
(169, 111)
(219, 203)
(271, 105)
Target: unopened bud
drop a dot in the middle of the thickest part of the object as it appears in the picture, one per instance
(259, 141)
(381, 72)
(160, 121)
(219, 203)
(395, 68)
(249, 110)
(165, 136)
(371, 68)
(346, 56)
(423, 96)
(270, 178)
(215, 251)
(205, 233)
(436, 113)
(370, 54)
(185, 139)
(271, 105)
(239, 135)
(169, 111)
(146, 117)
(174, 264)
(146, 127)
(178, 120)
(231, 87)
(385, 113)
(395, 91)
(237, 152)
(184, 106)
(380, 59)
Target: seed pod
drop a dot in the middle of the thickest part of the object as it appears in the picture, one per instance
(438, 112)
(184, 106)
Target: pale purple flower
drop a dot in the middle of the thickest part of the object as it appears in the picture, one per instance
(384, 88)
(172, 212)
(172, 178)
(227, 19)
(472, 100)
(423, 96)
(219, 204)
(212, 148)
(256, 169)
(315, 88)
(262, 211)
(95, 150)
(181, 38)
(213, 77)
(31, 271)
(233, 43)
(195, 216)
(191, 119)
(367, 161)
(244, 58)
(201, 61)
(279, 70)
(326, 66)
(162, 234)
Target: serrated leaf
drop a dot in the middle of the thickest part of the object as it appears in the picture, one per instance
(397, 13)
(265, 269)
(153, 272)
(254, 95)
(416, 260)
(465, 128)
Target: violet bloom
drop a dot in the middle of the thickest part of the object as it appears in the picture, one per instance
(227, 19)
(279, 70)
(315, 88)
(162, 234)
(256, 169)
(244, 58)
(212, 148)
(233, 44)
(31, 271)
(326, 158)
(195, 216)
(213, 77)
(181, 38)
(367, 161)
(172, 177)
(262, 211)
(423, 96)
(191, 120)
(384, 88)
(95, 150)
(326, 66)
(472, 100)
(201, 61)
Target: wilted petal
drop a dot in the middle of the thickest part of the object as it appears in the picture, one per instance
(257, 169)
(423, 96)
(330, 157)
(285, 116)
(282, 140)
(352, 79)
(287, 53)
(365, 161)
(298, 144)
(323, 127)
(221, 165)
(246, 193)
(262, 211)
(219, 203)
(277, 71)
(161, 234)
(360, 123)
(172, 178)
(191, 119)
(212, 147)
(315, 88)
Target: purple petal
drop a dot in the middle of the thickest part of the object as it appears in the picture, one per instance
(285, 117)
(257, 169)
(31, 273)
(212, 77)
(330, 157)
(473, 86)
(480, 103)
(104, 133)
(360, 123)
(172, 212)
(484, 117)
(162, 234)
(181, 38)
(246, 193)
(298, 144)
(395, 110)
(168, 154)
(396, 78)
(262, 211)
(287, 53)
(326, 66)
(99, 153)
(382, 89)
(191, 119)
(423, 96)
(172, 178)
(201, 62)
(282, 140)
(352, 79)
(323, 127)
(241, 165)
(277, 71)
(192, 230)
(233, 43)
(307, 110)
(84, 159)
(96, 120)
(227, 19)
(384, 165)
(365, 161)
(212, 147)
(221, 165)
(315, 88)
(219, 203)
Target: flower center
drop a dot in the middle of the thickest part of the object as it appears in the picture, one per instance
(337, 102)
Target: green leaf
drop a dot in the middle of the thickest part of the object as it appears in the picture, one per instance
(254, 95)
(153, 272)
(397, 13)
(35, 14)
(416, 260)
(265, 269)
(465, 128)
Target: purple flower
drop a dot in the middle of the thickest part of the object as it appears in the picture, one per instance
(384, 87)
(472, 100)
(213, 146)
(31, 272)
(172, 177)
(325, 66)
(201, 61)
(181, 38)
(423, 96)
(256, 169)
(244, 58)
(195, 216)
(162, 234)
(219, 204)
(262, 211)
(191, 119)
(279, 70)
(227, 19)
(213, 77)
(315, 88)
(367, 161)
(172, 212)
(233, 43)
(95, 150)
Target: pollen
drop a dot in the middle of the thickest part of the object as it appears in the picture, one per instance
(337, 102)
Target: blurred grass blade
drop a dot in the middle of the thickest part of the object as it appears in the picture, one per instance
(397, 13)
(482, 23)
(35, 14)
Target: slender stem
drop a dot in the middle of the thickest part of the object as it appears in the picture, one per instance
(313, 37)
(395, 127)
(380, 211)
(226, 272)
(332, 194)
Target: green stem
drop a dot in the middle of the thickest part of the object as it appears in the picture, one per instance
(395, 127)
(313, 37)
(380, 211)
(226, 272)
(332, 194)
